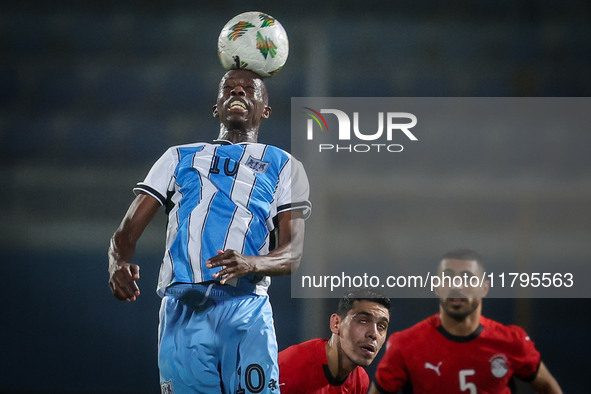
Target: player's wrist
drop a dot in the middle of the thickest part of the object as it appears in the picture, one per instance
(254, 264)
(115, 266)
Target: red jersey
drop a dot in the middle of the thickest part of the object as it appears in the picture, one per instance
(303, 369)
(426, 359)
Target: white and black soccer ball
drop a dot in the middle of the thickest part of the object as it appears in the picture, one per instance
(253, 41)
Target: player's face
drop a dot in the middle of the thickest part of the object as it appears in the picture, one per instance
(460, 293)
(363, 331)
(241, 100)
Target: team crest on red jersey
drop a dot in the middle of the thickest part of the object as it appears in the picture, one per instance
(498, 365)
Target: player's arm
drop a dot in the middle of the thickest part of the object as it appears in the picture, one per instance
(123, 275)
(280, 261)
(544, 383)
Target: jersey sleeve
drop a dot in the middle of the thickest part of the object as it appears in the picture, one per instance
(294, 189)
(528, 361)
(160, 178)
(391, 373)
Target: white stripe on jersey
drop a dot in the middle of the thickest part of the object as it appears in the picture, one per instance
(242, 190)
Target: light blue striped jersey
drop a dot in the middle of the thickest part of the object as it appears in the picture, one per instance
(222, 196)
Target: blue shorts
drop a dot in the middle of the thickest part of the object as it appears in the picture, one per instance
(216, 339)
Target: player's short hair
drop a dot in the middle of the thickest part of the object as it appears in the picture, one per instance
(464, 254)
(361, 294)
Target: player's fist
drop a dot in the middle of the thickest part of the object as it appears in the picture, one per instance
(122, 281)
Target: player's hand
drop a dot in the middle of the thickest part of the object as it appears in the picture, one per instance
(234, 264)
(122, 281)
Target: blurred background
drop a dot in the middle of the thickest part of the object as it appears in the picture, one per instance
(92, 92)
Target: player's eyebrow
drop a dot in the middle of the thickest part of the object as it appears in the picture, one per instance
(450, 271)
(369, 314)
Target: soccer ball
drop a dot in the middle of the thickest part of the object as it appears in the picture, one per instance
(253, 41)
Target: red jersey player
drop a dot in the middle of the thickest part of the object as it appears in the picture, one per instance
(458, 350)
(323, 366)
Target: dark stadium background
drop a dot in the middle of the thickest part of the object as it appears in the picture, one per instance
(92, 92)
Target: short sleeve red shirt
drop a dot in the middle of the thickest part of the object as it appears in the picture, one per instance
(426, 359)
(303, 369)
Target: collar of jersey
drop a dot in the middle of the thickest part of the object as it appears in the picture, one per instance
(226, 142)
(460, 338)
(331, 379)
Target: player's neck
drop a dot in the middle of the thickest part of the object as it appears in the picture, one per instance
(462, 327)
(338, 364)
(236, 136)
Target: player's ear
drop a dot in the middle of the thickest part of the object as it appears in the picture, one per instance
(215, 111)
(335, 323)
(266, 112)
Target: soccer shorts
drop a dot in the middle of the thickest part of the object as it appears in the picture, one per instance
(216, 339)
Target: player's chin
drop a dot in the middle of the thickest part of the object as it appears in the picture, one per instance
(364, 361)
(458, 312)
(236, 119)
(239, 122)
(365, 358)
